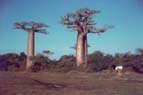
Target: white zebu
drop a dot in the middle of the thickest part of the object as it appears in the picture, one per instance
(119, 69)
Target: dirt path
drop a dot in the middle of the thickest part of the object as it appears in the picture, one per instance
(69, 84)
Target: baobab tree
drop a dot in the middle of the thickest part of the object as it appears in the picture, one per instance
(82, 22)
(32, 28)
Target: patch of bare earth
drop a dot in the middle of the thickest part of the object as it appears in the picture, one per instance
(72, 83)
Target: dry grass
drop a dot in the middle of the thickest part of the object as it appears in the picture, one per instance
(71, 83)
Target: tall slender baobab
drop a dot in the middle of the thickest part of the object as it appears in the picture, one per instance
(31, 27)
(81, 21)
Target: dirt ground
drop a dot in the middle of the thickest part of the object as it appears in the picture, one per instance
(71, 83)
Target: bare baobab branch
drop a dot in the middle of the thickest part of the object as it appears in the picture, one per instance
(100, 30)
(79, 20)
(31, 26)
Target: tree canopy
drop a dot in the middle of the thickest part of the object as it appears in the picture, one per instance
(82, 21)
(31, 26)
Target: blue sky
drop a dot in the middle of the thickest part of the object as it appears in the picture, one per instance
(125, 15)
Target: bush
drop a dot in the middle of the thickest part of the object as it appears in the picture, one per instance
(96, 67)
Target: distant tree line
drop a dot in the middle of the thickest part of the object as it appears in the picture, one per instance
(97, 61)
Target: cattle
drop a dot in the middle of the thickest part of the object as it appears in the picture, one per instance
(119, 69)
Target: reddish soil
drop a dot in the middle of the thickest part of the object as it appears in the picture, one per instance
(72, 83)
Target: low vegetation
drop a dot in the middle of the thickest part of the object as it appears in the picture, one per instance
(97, 61)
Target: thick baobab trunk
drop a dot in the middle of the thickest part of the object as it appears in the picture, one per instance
(30, 50)
(85, 48)
(80, 49)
